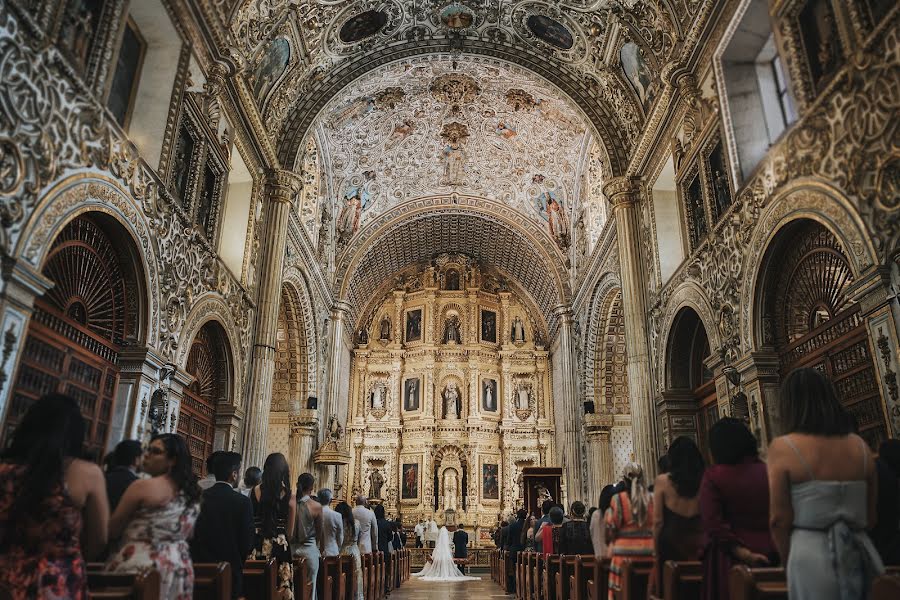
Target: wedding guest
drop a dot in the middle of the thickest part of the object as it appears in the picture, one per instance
(309, 527)
(598, 521)
(420, 533)
(352, 535)
(544, 536)
(224, 530)
(252, 478)
(575, 534)
(734, 507)
(156, 517)
(53, 504)
(385, 536)
(823, 494)
(368, 525)
(332, 526)
(210, 479)
(677, 528)
(124, 463)
(629, 525)
(886, 533)
(546, 505)
(274, 512)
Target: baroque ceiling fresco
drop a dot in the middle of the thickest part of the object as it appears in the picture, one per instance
(604, 54)
(437, 125)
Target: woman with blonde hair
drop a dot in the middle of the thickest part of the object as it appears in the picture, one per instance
(629, 525)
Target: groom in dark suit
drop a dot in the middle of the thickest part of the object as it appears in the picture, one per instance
(224, 529)
(460, 543)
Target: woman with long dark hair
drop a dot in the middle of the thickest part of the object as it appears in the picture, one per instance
(822, 496)
(156, 516)
(52, 504)
(677, 529)
(274, 511)
(350, 545)
(734, 507)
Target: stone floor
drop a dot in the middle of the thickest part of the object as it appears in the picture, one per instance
(464, 590)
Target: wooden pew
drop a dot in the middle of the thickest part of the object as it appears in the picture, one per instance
(528, 560)
(564, 576)
(332, 579)
(682, 580)
(597, 583)
(379, 579)
(886, 587)
(212, 581)
(548, 585)
(261, 579)
(745, 583)
(303, 583)
(115, 586)
(635, 579)
(521, 559)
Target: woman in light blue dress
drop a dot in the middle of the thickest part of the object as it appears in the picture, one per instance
(822, 494)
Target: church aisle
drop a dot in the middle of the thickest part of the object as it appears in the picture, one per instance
(462, 590)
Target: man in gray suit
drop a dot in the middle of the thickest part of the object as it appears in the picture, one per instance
(368, 525)
(332, 526)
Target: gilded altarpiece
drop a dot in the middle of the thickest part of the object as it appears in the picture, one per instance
(448, 419)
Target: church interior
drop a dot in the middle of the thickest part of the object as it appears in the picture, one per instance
(457, 257)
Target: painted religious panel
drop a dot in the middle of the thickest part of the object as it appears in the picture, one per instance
(489, 395)
(410, 486)
(128, 67)
(635, 69)
(77, 33)
(272, 66)
(490, 485)
(696, 214)
(821, 42)
(719, 176)
(488, 326)
(411, 394)
(551, 31)
(413, 325)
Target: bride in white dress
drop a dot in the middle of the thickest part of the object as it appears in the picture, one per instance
(442, 567)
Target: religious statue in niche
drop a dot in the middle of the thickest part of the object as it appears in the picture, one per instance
(335, 431)
(543, 494)
(518, 330)
(523, 397)
(552, 210)
(377, 400)
(451, 401)
(451, 489)
(451, 330)
(376, 482)
(384, 330)
(362, 336)
(489, 395)
(455, 135)
(451, 281)
(411, 394)
(414, 325)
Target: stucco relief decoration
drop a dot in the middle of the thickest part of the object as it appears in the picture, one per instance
(488, 129)
(58, 131)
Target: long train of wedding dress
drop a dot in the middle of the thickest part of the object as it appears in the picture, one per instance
(442, 567)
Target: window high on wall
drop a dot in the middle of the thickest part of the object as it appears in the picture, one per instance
(754, 86)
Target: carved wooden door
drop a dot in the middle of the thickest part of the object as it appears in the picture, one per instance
(816, 325)
(196, 420)
(76, 332)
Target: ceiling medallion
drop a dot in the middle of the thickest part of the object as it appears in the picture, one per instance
(551, 31)
(455, 89)
(457, 17)
(363, 25)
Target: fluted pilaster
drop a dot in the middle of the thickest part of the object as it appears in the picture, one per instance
(567, 411)
(302, 442)
(624, 195)
(281, 188)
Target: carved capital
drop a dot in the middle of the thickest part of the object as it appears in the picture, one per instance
(622, 191)
(282, 185)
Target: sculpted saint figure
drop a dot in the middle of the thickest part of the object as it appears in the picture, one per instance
(385, 329)
(451, 401)
(518, 330)
(376, 481)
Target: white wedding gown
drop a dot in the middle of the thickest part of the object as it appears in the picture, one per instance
(442, 567)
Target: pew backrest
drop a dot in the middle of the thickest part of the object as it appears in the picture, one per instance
(682, 580)
(212, 581)
(143, 585)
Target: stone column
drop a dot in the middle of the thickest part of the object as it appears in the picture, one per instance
(139, 374)
(624, 195)
(281, 188)
(600, 461)
(567, 412)
(302, 442)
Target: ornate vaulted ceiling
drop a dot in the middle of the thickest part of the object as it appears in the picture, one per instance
(436, 125)
(604, 54)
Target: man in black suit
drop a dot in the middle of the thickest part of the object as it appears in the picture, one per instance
(122, 469)
(224, 529)
(460, 541)
(385, 537)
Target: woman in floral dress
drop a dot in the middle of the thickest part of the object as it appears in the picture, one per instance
(53, 505)
(274, 511)
(156, 517)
